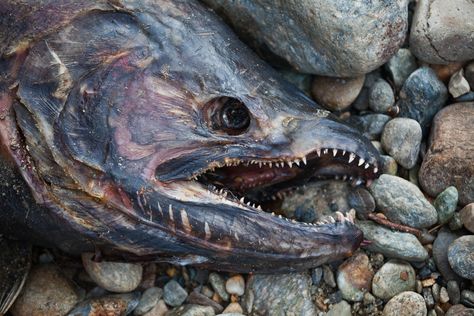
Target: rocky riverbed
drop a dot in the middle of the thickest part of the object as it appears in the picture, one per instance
(404, 75)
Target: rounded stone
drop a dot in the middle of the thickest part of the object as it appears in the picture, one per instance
(174, 294)
(118, 277)
(461, 256)
(235, 285)
(381, 97)
(458, 85)
(191, 310)
(340, 309)
(149, 299)
(160, 309)
(469, 74)
(400, 66)
(46, 292)
(389, 165)
(440, 253)
(336, 94)
(233, 308)
(394, 277)
(401, 139)
(371, 125)
(406, 304)
(445, 204)
(467, 217)
(116, 304)
(354, 277)
(218, 285)
(460, 310)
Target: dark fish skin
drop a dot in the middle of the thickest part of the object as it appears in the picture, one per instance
(104, 113)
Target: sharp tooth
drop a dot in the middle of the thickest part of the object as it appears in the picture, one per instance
(325, 151)
(343, 152)
(318, 152)
(260, 164)
(361, 161)
(331, 219)
(297, 162)
(249, 204)
(290, 164)
(279, 216)
(359, 182)
(340, 217)
(334, 152)
(344, 178)
(376, 169)
(351, 157)
(273, 213)
(270, 164)
(259, 208)
(225, 194)
(366, 166)
(304, 160)
(242, 200)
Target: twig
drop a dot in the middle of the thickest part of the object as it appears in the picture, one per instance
(400, 227)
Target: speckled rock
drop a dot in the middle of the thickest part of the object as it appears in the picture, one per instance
(381, 97)
(402, 202)
(336, 94)
(460, 310)
(394, 277)
(235, 285)
(218, 285)
(405, 304)
(454, 292)
(467, 217)
(118, 304)
(354, 277)
(335, 38)
(191, 310)
(422, 96)
(458, 85)
(442, 31)
(340, 309)
(392, 244)
(160, 309)
(401, 139)
(449, 160)
(445, 204)
(46, 292)
(371, 125)
(174, 294)
(148, 300)
(440, 253)
(119, 277)
(400, 66)
(279, 294)
(461, 256)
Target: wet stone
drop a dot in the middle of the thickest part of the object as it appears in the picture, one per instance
(422, 96)
(392, 244)
(117, 304)
(340, 309)
(149, 298)
(401, 139)
(467, 217)
(218, 285)
(381, 97)
(336, 94)
(400, 66)
(445, 204)
(354, 277)
(191, 310)
(458, 85)
(460, 256)
(402, 202)
(406, 304)
(174, 294)
(440, 253)
(118, 277)
(371, 125)
(235, 285)
(394, 277)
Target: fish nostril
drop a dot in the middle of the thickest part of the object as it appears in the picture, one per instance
(289, 124)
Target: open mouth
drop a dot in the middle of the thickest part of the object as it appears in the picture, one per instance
(261, 183)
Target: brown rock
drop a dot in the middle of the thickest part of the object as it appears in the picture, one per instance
(467, 217)
(444, 72)
(46, 292)
(336, 94)
(354, 277)
(449, 160)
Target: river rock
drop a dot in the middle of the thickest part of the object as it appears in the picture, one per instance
(402, 202)
(336, 94)
(279, 294)
(46, 292)
(467, 217)
(174, 294)
(458, 85)
(394, 277)
(149, 299)
(118, 304)
(191, 310)
(449, 160)
(389, 165)
(445, 204)
(469, 74)
(406, 304)
(235, 285)
(160, 309)
(371, 125)
(392, 244)
(118, 277)
(340, 309)
(422, 96)
(440, 253)
(460, 310)
(442, 31)
(332, 38)
(354, 277)
(400, 66)
(460, 256)
(401, 139)
(381, 97)
(218, 285)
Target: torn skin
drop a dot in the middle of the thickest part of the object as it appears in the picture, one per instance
(154, 135)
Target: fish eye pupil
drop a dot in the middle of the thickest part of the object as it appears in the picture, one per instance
(235, 115)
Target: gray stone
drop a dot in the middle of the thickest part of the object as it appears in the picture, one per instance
(460, 256)
(460, 310)
(332, 38)
(393, 278)
(336, 94)
(200, 299)
(467, 298)
(440, 253)
(371, 125)
(428, 297)
(302, 81)
(469, 74)
(361, 103)
(443, 295)
(458, 85)
(400, 66)
(361, 201)
(455, 223)
(422, 96)
(454, 292)
(381, 97)
(328, 276)
(340, 309)
(218, 285)
(235, 285)
(279, 294)
(191, 310)
(406, 304)
(389, 165)
(445, 204)
(149, 299)
(118, 277)
(174, 294)
(449, 160)
(435, 289)
(442, 31)
(402, 202)
(401, 139)
(467, 217)
(116, 304)
(317, 276)
(160, 309)
(392, 244)
(354, 277)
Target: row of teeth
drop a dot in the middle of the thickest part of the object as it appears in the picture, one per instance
(233, 162)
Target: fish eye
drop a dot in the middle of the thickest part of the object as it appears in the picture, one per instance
(229, 115)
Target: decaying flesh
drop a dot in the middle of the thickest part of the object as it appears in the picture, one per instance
(146, 128)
